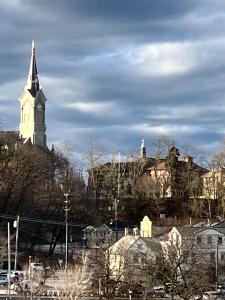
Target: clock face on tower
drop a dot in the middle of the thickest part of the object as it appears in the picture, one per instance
(39, 107)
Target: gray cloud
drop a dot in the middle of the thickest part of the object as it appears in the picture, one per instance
(119, 71)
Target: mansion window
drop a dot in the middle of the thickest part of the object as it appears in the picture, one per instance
(139, 246)
(122, 186)
(220, 240)
(199, 240)
(129, 190)
(125, 173)
(212, 256)
(222, 256)
(209, 239)
(135, 258)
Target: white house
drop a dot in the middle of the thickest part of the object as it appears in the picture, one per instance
(132, 253)
(210, 240)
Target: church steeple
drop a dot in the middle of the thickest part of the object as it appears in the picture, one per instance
(32, 80)
(32, 107)
(143, 150)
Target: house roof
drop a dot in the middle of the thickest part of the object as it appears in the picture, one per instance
(143, 164)
(153, 244)
(219, 172)
(218, 229)
(104, 227)
(123, 244)
(220, 224)
(89, 229)
(182, 164)
(188, 232)
(159, 166)
(126, 242)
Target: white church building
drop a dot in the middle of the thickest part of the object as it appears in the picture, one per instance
(32, 107)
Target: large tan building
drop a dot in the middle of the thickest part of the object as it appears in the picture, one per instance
(32, 107)
(147, 185)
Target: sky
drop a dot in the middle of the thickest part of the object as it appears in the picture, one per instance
(118, 71)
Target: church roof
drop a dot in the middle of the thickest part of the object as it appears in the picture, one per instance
(32, 80)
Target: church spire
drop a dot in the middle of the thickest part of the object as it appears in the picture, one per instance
(32, 80)
(143, 149)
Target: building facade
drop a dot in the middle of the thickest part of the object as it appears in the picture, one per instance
(145, 185)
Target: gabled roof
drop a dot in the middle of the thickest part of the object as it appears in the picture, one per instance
(89, 229)
(103, 227)
(153, 244)
(126, 242)
(188, 232)
(123, 244)
(220, 230)
(220, 224)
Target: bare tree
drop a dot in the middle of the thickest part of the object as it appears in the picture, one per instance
(31, 283)
(72, 283)
(183, 269)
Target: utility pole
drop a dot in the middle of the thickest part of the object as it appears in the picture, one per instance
(9, 259)
(117, 199)
(29, 271)
(130, 294)
(16, 225)
(66, 209)
(99, 287)
(217, 248)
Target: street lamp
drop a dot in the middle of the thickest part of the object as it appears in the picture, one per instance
(16, 225)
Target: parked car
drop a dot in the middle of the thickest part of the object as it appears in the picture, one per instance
(14, 275)
(196, 297)
(221, 289)
(158, 291)
(3, 279)
(39, 267)
(25, 285)
(212, 295)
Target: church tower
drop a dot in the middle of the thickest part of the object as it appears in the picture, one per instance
(32, 107)
(143, 150)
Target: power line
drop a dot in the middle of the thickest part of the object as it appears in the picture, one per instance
(51, 222)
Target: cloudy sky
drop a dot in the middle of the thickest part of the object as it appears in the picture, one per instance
(117, 71)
